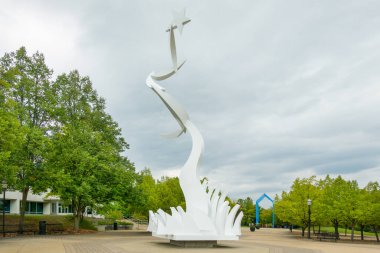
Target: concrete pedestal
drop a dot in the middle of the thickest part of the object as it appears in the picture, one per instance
(194, 244)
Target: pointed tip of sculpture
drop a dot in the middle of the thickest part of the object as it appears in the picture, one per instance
(179, 20)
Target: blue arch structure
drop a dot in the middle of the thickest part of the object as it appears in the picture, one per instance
(258, 208)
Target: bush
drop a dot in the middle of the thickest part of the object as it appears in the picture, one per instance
(124, 223)
(114, 215)
(139, 216)
(109, 222)
(105, 222)
(86, 224)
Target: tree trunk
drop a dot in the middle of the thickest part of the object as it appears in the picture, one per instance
(362, 232)
(76, 213)
(336, 224)
(83, 212)
(25, 192)
(352, 231)
(291, 227)
(377, 235)
(345, 230)
(313, 230)
(303, 231)
(76, 222)
(319, 229)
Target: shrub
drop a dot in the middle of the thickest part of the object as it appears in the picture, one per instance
(114, 215)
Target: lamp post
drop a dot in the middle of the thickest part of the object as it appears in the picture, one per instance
(309, 222)
(4, 185)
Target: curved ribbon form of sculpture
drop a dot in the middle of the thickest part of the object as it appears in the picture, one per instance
(208, 215)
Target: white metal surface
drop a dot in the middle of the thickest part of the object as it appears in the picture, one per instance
(208, 215)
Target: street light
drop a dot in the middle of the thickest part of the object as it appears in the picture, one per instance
(4, 185)
(309, 204)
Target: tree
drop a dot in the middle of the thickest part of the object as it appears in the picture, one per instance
(248, 209)
(10, 130)
(318, 214)
(169, 194)
(154, 194)
(335, 201)
(363, 210)
(31, 88)
(266, 215)
(370, 207)
(334, 194)
(145, 197)
(86, 147)
(293, 207)
(349, 195)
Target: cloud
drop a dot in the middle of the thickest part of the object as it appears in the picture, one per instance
(279, 90)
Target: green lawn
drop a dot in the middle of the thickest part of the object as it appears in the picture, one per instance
(342, 231)
(66, 220)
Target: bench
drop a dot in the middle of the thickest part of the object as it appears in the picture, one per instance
(52, 228)
(326, 236)
(14, 229)
(9, 229)
(30, 228)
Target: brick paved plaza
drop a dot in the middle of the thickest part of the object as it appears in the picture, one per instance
(261, 241)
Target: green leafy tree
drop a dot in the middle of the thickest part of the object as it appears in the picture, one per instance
(350, 195)
(370, 207)
(86, 148)
(145, 197)
(154, 194)
(363, 210)
(334, 194)
(334, 201)
(169, 194)
(292, 208)
(10, 131)
(318, 215)
(248, 209)
(32, 91)
(284, 209)
(266, 215)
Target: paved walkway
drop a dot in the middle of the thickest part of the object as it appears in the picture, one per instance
(261, 241)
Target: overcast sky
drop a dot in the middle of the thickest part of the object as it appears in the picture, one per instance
(279, 89)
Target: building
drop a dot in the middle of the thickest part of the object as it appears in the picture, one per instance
(39, 204)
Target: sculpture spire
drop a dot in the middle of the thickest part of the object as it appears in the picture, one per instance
(208, 216)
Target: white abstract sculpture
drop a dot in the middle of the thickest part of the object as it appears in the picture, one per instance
(208, 216)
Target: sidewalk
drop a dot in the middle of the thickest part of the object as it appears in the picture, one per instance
(263, 240)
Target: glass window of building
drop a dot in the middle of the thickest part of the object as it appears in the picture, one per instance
(34, 207)
(65, 209)
(53, 207)
(6, 205)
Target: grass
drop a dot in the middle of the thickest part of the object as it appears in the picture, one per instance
(86, 224)
(66, 220)
(342, 231)
(13, 219)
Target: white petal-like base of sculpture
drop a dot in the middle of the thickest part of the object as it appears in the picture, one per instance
(218, 224)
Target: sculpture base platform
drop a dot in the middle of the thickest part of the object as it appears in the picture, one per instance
(194, 244)
(197, 238)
